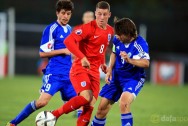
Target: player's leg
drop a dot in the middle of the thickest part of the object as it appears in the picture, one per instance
(124, 103)
(81, 84)
(85, 116)
(130, 91)
(31, 107)
(47, 91)
(84, 119)
(110, 93)
(102, 111)
(67, 92)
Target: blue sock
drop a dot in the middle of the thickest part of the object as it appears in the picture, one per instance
(98, 122)
(126, 119)
(79, 112)
(30, 108)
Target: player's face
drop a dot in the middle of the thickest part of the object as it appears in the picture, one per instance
(124, 38)
(63, 16)
(102, 16)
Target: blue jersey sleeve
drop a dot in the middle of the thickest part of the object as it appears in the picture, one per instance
(47, 41)
(115, 40)
(142, 51)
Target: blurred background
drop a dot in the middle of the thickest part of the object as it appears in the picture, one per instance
(163, 23)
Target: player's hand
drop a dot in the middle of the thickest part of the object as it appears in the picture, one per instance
(108, 76)
(104, 68)
(125, 56)
(66, 51)
(85, 63)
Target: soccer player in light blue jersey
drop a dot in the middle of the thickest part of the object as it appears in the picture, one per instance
(125, 76)
(56, 74)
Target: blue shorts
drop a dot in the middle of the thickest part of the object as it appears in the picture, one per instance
(114, 90)
(54, 83)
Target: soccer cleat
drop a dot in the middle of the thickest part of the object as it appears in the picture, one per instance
(10, 124)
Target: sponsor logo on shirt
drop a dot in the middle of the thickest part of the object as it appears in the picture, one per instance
(130, 88)
(117, 47)
(61, 36)
(49, 46)
(95, 36)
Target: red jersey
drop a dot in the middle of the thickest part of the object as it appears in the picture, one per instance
(92, 42)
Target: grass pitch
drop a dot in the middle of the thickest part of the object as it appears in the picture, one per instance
(154, 106)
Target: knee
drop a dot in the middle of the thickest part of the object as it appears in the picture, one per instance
(87, 95)
(124, 106)
(102, 112)
(41, 103)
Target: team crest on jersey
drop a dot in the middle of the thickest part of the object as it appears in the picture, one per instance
(83, 83)
(109, 37)
(129, 54)
(78, 31)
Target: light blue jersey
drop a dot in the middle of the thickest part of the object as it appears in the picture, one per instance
(125, 76)
(53, 39)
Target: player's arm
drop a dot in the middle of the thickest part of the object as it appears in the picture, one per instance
(103, 64)
(111, 65)
(76, 37)
(52, 53)
(70, 43)
(142, 62)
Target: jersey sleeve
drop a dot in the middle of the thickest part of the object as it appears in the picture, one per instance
(82, 32)
(142, 50)
(115, 40)
(47, 41)
(114, 48)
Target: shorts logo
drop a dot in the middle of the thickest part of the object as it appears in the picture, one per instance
(83, 83)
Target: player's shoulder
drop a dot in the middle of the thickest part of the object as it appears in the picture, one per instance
(68, 26)
(88, 28)
(116, 41)
(51, 26)
(90, 25)
(140, 40)
(110, 27)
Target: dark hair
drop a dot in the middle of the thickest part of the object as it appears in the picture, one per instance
(125, 26)
(103, 5)
(64, 4)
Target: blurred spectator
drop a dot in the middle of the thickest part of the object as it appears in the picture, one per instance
(86, 18)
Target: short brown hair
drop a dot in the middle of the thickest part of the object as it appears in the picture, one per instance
(64, 4)
(125, 26)
(103, 5)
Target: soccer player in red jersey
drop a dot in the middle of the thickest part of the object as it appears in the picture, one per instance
(92, 40)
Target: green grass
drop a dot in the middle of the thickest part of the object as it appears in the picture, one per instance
(154, 106)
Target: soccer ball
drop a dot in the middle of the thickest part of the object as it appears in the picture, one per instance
(45, 118)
